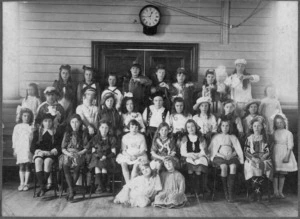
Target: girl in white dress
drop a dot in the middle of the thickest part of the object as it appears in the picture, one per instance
(269, 106)
(283, 156)
(31, 101)
(133, 150)
(129, 112)
(204, 118)
(140, 190)
(21, 142)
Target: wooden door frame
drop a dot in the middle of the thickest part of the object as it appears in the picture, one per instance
(97, 46)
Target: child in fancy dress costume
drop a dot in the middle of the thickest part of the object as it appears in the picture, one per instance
(112, 88)
(194, 151)
(104, 147)
(133, 150)
(31, 101)
(66, 89)
(53, 107)
(163, 145)
(161, 83)
(73, 151)
(109, 113)
(141, 189)
(183, 89)
(178, 118)
(282, 154)
(138, 85)
(89, 81)
(88, 111)
(45, 148)
(269, 106)
(173, 184)
(226, 152)
(21, 142)
(258, 164)
(204, 118)
(251, 109)
(240, 85)
(129, 112)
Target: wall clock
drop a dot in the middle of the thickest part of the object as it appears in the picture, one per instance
(150, 17)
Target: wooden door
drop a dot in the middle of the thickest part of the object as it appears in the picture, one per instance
(118, 57)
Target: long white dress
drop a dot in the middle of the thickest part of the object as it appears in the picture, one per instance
(140, 191)
(21, 141)
(283, 141)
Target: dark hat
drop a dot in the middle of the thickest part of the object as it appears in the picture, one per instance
(157, 93)
(108, 95)
(181, 70)
(137, 65)
(250, 102)
(229, 101)
(48, 116)
(51, 90)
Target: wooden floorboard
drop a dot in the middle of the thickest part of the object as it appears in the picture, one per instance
(16, 203)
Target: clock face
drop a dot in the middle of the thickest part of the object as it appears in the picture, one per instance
(150, 16)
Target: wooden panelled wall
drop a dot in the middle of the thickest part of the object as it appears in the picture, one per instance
(60, 32)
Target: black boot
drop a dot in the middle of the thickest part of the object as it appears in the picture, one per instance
(46, 176)
(204, 183)
(251, 189)
(197, 184)
(192, 184)
(231, 178)
(69, 181)
(98, 181)
(40, 178)
(106, 182)
(224, 181)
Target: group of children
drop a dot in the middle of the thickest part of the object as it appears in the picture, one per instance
(151, 128)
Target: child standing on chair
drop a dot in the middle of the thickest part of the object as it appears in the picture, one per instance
(258, 164)
(45, 147)
(269, 106)
(31, 101)
(112, 88)
(163, 145)
(282, 154)
(21, 142)
(138, 85)
(88, 111)
(73, 152)
(226, 152)
(133, 150)
(104, 146)
(183, 89)
(194, 150)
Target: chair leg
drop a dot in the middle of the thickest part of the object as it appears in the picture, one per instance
(54, 181)
(61, 183)
(214, 188)
(83, 177)
(92, 182)
(113, 183)
(34, 189)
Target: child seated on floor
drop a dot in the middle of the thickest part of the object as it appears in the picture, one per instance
(140, 190)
